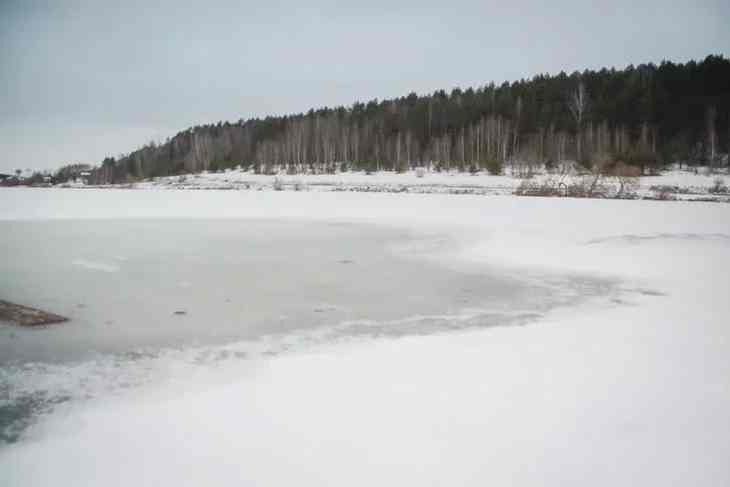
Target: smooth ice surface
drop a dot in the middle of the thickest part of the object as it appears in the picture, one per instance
(630, 387)
(128, 284)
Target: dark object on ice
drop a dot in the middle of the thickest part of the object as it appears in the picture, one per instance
(180, 312)
(25, 316)
(346, 261)
(325, 308)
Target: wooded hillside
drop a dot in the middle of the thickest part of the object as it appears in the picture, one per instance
(643, 115)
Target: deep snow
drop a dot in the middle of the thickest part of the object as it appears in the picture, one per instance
(633, 388)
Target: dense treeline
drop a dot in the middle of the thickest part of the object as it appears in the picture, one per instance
(645, 115)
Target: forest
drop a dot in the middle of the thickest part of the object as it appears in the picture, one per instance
(645, 116)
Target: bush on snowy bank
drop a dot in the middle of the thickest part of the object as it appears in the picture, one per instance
(719, 187)
(606, 178)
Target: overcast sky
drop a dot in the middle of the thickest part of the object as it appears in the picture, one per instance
(85, 79)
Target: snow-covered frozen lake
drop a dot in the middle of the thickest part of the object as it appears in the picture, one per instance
(138, 287)
(361, 339)
(134, 284)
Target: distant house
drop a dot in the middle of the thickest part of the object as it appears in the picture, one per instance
(73, 173)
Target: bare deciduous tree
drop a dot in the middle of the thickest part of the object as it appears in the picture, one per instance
(578, 106)
(710, 116)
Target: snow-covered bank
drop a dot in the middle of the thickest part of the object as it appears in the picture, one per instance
(695, 184)
(631, 391)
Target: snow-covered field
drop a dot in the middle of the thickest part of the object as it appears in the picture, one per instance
(630, 388)
(684, 184)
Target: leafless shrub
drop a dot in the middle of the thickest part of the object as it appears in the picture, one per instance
(664, 188)
(663, 193)
(546, 187)
(532, 188)
(593, 183)
(627, 177)
(719, 187)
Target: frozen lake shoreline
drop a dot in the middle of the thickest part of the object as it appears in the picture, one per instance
(699, 184)
(630, 389)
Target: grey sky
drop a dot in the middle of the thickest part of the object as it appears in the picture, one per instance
(85, 79)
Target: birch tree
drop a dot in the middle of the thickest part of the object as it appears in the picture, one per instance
(578, 106)
(710, 116)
